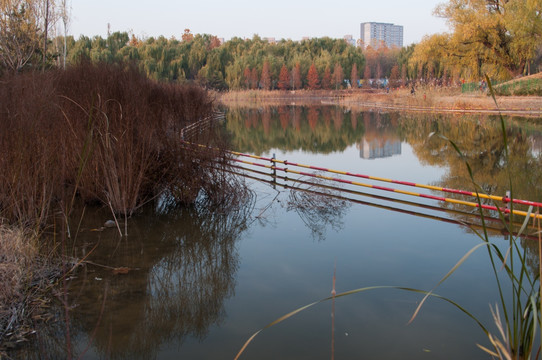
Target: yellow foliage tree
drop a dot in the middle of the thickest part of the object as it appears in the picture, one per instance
(497, 37)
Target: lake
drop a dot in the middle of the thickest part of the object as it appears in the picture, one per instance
(197, 283)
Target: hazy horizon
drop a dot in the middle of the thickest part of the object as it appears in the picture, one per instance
(241, 18)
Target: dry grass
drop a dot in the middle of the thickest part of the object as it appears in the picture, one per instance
(17, 253)
(25, 277)
(425, 97)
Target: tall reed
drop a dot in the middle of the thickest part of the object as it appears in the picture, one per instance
(102, 133)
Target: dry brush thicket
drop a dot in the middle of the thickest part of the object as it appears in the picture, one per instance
(101, 133)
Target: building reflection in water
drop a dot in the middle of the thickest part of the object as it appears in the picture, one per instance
(377, 148)
(380, 139)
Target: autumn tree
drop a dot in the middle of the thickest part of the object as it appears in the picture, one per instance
(367, 73)
(354, 78)
(265, 80)
(338, 76)
(326, 79)
(187, 35)
(64, 12)
(378, 71)
(284, 78)
(254, 78)
(296, 77)
(246, 77)
(134, 41)
(19, 33)
(394, 75)
(495, 36)
(313, 80)
(214, 43)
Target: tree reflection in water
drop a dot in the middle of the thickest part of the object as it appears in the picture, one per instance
(181, 264)
(318, 208)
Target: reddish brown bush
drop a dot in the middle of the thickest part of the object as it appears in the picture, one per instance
(103, 133)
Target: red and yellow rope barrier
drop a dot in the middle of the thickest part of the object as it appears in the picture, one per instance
(389, 189)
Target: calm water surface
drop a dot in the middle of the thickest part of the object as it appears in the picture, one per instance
(200, 283)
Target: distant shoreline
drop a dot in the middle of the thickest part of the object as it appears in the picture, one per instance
(424, 100)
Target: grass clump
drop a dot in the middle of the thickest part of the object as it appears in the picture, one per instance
(25, 279)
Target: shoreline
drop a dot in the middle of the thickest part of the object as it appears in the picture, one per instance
(436, 100)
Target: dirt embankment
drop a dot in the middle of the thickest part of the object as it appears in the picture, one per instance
(424, 99)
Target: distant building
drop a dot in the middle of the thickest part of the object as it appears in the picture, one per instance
(270, 40)
(381, 34)
(350, 40)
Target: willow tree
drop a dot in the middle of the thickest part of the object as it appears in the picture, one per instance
(433, 55)
(500, 35)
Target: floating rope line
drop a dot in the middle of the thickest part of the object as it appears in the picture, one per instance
(398, 191)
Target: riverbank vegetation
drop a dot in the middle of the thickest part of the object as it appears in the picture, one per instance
(95, 135)
(103, 133)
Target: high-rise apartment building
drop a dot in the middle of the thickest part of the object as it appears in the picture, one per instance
(379, 34)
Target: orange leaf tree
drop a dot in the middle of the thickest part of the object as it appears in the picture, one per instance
(284, 78)
(313, 80)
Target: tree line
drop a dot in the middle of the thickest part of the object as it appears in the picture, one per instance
(236, 64)
(241, 64)
(501, 38)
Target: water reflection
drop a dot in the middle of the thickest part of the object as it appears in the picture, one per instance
(319, 129)
(326, 129)
(318, 207)
(166, 281)
(381, 138)
(481, 142)
(182, 264)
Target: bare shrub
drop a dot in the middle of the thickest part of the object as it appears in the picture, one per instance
(104, 133)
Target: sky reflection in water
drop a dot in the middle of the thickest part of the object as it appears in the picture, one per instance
(205, 281)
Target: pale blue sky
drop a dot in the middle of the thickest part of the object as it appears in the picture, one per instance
(288, 19)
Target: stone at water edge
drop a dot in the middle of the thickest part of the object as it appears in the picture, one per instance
(109, 224)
